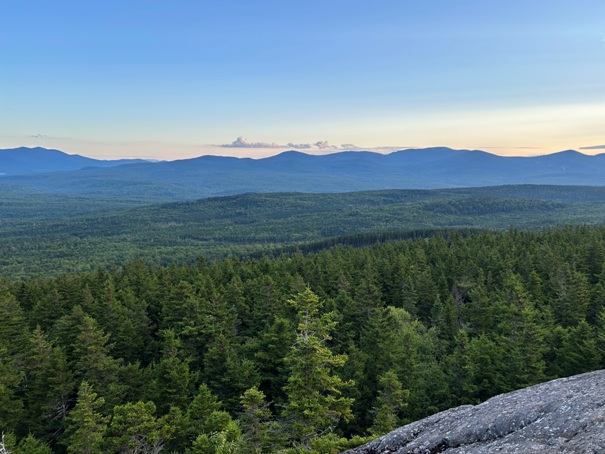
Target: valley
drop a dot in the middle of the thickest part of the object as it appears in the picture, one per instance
(52, 234)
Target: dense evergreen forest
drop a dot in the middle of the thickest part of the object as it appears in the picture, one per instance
(51, 234)
(304, 352)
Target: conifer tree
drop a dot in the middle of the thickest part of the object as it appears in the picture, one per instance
(315, 401)
(11, 406)
(86, 426)
(204, 413)
(31, 445)
(49, 388)
(211, 429)
(259, 432)
(172, 381)
(134, 429)
(94, 362)
(390, 401)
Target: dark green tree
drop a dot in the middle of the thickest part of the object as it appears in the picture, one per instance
(172, 381)
(389, 403)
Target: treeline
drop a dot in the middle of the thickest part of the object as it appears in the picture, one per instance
(303, 352)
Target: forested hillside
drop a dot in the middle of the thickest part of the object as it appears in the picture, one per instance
(44, 234)
(299, 352)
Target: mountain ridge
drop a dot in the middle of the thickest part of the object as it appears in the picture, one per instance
(26, 160)
(209, 175)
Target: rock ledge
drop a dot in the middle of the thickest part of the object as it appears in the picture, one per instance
(561, 416)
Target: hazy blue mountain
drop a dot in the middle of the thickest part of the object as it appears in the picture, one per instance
(206, 176)
(20, 161)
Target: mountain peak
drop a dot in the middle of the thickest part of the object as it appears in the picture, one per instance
(25, 160)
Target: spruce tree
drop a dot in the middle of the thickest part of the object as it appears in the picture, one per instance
(389, 403)
(134, 429)
(259, 432)
(86, 426)
(315, 401)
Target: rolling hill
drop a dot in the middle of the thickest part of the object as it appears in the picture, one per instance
(46, 239)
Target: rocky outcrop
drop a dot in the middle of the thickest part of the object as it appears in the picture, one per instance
(561, 416)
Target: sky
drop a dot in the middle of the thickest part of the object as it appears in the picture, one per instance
(180, 78)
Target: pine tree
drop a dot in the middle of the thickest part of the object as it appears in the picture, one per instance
(31, 445)
(85, 425)
(13, 345)
(202, 412)
(11, 406)
(134, 429)
(49, 389)
(259, 432)
(209, 428)
(390, 401)
(94, 362)
(270, 348)
(172, 381)
(315, 401)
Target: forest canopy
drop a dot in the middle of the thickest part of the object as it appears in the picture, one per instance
(47, 235)
(298, 353)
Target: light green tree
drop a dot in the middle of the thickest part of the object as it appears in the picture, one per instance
(134, 429)
(315, 401)
(85, 425)
(260, 434)
(31, 445)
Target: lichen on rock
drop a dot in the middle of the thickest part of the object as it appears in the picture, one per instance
(566, 415)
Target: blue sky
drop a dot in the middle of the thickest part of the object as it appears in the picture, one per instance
(173, 79)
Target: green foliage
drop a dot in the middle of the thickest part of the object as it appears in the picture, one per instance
(49, 389)
(211, 357)
(390, 401)
(134, 428)
(11, 406)
(204, 413)
(31, 445)
(86, 426)
(315, 401)
(50, 237)
(172, 381)
(93, 360)
(260, 434)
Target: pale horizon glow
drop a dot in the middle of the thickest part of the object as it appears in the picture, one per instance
(167, 81)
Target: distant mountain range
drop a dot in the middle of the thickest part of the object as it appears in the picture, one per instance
(19, 161)
(205, 176)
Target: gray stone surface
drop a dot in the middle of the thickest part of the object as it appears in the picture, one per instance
(561, 416)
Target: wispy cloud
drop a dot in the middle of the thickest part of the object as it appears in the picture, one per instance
(593, 147)
(510, 148)
(319, 147)
(242, 142)
(38, 136)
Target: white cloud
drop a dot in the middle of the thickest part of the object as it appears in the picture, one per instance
(242, 142)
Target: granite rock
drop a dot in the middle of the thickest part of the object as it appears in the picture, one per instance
(561, 416)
